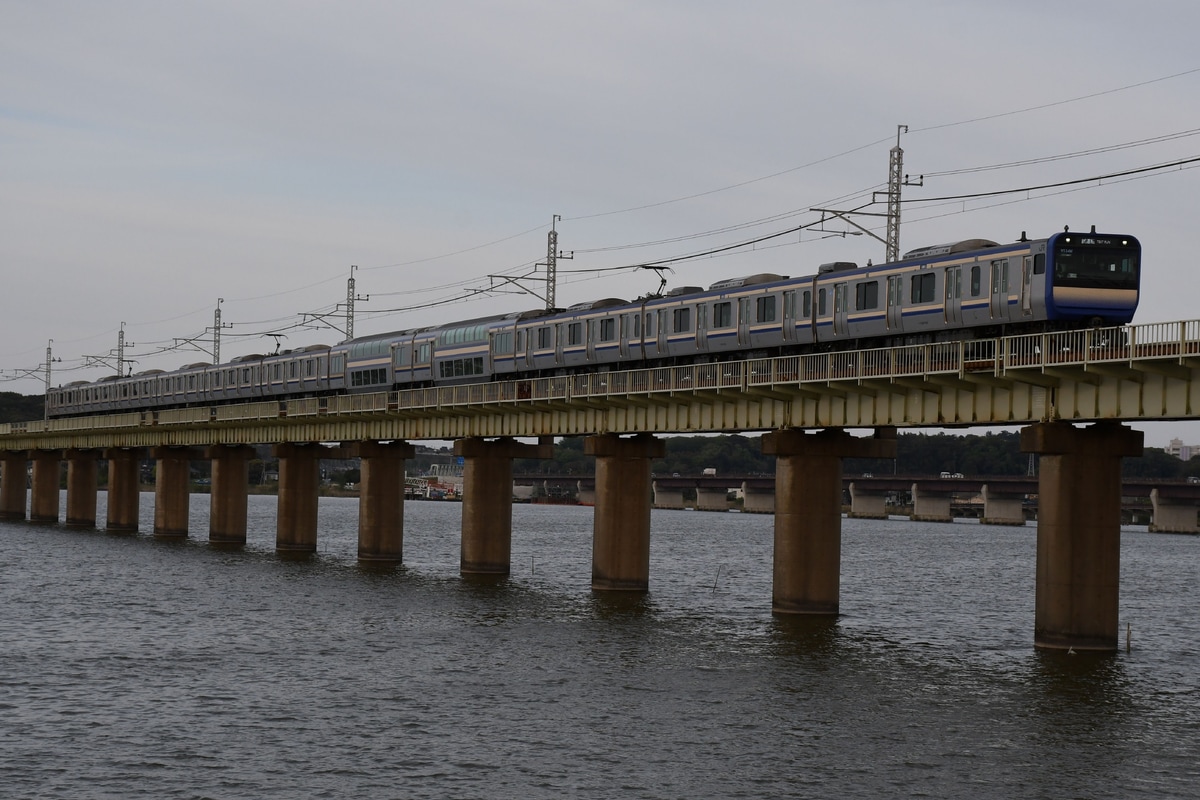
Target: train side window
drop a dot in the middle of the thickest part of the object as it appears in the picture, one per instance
(866, 296)
(683, 320)
(822, 295)
(765, 308)
(976, 286)
(922, 287)
(503, 343)
(543, 338)
(608, 329)
(1039, 264)
(722, 316)
(806, 304)
(575, 333)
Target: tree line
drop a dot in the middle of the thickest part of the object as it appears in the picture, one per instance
(916, 454)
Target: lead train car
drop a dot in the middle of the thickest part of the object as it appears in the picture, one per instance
(967, 289)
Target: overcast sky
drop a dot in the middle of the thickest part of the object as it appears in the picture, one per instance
(157, 156)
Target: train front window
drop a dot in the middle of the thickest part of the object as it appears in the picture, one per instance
(1105, 265)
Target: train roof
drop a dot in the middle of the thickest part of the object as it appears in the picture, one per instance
(746, 280)
(607, 302)
(466, 323)
(950, 248)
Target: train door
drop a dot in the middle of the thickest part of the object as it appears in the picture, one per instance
(560, 336)
(522, 348)
(841, 324)
(701, 326)
(999, 298)
(626, 332)
(661, 324)
(1027, 286)
(790, 334)
(591, 331)
(895, 299)
(743, 321)
(953, 279)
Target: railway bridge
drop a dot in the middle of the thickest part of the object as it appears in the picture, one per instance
(1072, 392)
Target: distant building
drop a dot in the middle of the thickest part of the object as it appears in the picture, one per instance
(1183, 452)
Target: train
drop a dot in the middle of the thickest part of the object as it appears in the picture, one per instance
(973, 288)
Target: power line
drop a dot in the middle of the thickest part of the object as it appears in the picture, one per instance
(1056, 102)
(1065, 156)
(1107, 176)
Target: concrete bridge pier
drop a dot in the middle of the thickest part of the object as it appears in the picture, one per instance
(664, 498)
(124, 489)
(299, 479)
(487, 500)
(757, 501)
(1002, 509)
(44, 492)
(81, 488)
(13, 484)
(172, 491)
(929, 505)
(808, 513)
(867, 503)
(621, 527)
(228, 498)
(381, 502)
(712, 499)
(1079, 531)
(1171, 515)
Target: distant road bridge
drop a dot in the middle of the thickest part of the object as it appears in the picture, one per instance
(1172, 505)
(1044, 381)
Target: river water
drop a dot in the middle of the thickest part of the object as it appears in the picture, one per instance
(131, 668)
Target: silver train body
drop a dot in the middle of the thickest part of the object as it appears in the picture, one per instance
(969, 289)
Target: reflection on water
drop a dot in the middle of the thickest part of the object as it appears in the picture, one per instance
(134, 667)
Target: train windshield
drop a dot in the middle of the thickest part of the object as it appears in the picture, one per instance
(1097, 262)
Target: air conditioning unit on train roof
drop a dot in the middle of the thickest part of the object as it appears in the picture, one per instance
(748, 280)
(605, 303)
(950, 248)
(681, 290)
(836, 266)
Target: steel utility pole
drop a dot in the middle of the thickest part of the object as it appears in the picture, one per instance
(121, 351)
(553, 254)
(896, 179)
(46, 398)
(895, 170)
(216, 331)
(350, 298)
(551, 263)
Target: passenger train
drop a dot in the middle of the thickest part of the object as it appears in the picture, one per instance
(969, 289)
